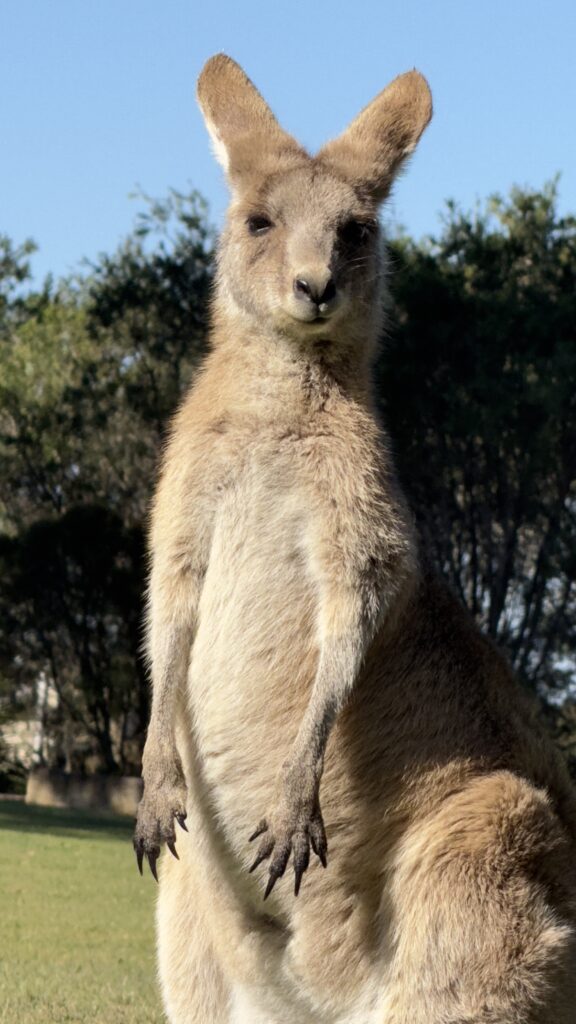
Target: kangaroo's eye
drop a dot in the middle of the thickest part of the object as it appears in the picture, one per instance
(259, 224)
(356, 233)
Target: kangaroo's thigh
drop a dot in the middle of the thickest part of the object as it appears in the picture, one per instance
(193, 988)
(484, 899)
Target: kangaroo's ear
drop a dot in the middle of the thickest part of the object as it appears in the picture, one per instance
(246, 136)
(373, 148)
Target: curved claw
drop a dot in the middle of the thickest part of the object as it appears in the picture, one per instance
(181, 819)
(264, 851)
(321, 854)
(298, 872)
(319, 844)
(152, 858)
(262, 827)
(172, 849)
(260, 857)
(139, 855)
(271, 883)
(301, 860)
(278, 865)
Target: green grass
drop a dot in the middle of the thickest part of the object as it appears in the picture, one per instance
(76, 920)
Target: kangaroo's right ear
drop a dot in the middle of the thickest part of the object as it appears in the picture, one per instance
(373, 148)
(245, 134)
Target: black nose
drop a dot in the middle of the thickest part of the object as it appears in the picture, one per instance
(308, 290)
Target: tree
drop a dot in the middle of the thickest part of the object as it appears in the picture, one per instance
(478, 382)
(73, 589)
(89, 374)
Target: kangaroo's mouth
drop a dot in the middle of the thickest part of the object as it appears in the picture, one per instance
(314, 321)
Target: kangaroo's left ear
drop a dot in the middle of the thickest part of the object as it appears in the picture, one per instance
(247, 139)
(371, 151)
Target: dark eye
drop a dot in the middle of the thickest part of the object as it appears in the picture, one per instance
(259, 224)
(356, 233)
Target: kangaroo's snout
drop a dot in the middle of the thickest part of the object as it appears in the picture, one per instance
(315, 290)
(315, 295)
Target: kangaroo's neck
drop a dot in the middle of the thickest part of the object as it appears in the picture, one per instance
(269, 367)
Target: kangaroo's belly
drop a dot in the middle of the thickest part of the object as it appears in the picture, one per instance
(255, 651)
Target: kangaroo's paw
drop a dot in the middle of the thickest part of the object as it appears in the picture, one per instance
(160, 808)
(294, 827)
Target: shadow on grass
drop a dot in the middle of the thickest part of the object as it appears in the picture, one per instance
(21, 817)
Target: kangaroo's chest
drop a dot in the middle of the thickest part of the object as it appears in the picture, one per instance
(255, 651)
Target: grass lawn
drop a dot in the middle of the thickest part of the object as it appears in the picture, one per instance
(76, 920)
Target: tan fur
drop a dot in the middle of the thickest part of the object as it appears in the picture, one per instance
(295, 640)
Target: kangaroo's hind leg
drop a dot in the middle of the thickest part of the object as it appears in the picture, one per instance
(193, 987)
(484, 896)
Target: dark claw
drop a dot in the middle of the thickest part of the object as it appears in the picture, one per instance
(264, 851)
(280, 860)
(259, 858)
(172, 849)
(181, 819)
(271, 883)
(139, 855)
(152, 858)
(262, 827)
(319, 846)
(301, 860)
(323, 857)
(298, 872)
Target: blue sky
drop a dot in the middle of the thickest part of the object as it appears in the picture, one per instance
(98, 98)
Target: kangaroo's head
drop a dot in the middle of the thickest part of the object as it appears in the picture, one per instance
(301, 254)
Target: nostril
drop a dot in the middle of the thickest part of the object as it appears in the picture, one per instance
(302, 289)
(329, 292)
(309, 290)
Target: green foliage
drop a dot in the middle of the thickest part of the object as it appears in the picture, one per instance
(479, 386)
(89, 374)
(149, 301)
(73, 587)
(14, 272)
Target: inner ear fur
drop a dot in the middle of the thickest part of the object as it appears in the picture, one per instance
(370, 152)
(246, 136)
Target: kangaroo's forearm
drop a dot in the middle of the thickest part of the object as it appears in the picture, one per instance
(170, 655)
(164, 799)
(349, 619)
(340, 661)
(173, 600)
(296, 820)
(180, 544)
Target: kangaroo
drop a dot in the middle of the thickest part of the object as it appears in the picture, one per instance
(316, 688)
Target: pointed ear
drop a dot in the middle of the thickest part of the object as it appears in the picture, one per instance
(373, 148)
(245, 134)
